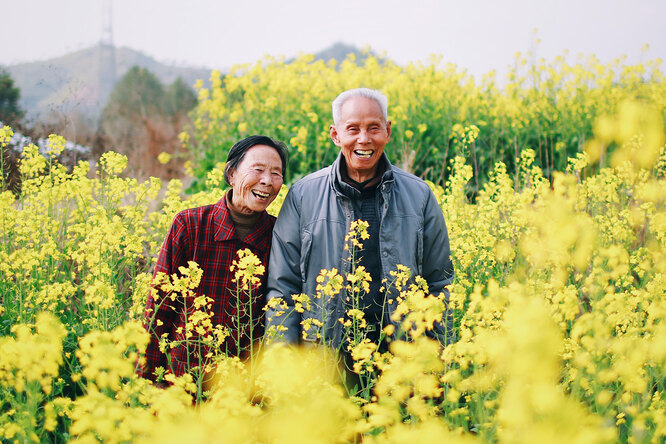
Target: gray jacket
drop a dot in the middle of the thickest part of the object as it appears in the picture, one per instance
(309, 236)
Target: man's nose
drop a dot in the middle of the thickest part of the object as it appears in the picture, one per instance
(363, 136)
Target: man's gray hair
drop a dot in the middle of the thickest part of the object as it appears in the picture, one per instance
(373, 94)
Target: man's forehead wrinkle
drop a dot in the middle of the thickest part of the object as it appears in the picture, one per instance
(351, 121)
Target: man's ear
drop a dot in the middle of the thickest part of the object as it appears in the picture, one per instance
(334, 135)
(388, 128)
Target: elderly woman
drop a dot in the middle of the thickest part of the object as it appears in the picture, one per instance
(211, 236)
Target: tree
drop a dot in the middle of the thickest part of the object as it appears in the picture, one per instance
(10, 112)
(143, 119)
(139, 94)
(179, 98)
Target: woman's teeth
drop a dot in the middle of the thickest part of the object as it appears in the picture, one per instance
(260, 194)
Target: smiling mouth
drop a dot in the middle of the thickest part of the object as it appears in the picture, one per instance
(364, 154)
(260, 194)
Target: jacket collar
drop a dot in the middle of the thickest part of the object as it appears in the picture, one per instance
(340, 187)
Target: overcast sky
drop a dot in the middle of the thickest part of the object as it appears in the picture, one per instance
(478, 35)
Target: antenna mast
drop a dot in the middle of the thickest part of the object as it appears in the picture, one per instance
(107, 54)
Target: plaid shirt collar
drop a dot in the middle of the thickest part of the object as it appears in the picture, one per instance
(225, 230)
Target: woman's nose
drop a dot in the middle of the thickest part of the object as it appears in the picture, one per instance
(265, 178)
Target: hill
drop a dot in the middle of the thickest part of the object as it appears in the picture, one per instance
(339, 51)
(71, 82)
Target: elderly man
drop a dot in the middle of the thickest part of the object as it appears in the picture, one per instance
(406, 227)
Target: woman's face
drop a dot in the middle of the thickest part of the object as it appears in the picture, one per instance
(257, 180)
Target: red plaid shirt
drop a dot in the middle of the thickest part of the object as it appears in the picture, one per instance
(207, 236)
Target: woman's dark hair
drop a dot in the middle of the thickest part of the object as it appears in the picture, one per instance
(237, 153)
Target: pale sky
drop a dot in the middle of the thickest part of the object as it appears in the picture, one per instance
(478, 35)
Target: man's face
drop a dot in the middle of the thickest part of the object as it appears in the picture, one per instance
(361, 133)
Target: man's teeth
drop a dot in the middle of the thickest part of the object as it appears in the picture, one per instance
(363, 153)
(260, 194)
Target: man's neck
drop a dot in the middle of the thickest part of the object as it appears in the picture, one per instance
(361, 182)
(361, 177)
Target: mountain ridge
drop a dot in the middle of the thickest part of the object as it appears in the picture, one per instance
(70, 83)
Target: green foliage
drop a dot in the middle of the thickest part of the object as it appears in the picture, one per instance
(138, 94)
(10, 111)
(178, 97)
(141, 94)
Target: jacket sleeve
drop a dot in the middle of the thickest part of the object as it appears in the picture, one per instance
(437, 266)
(284, 277)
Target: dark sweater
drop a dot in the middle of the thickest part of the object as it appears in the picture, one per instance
(365, 199)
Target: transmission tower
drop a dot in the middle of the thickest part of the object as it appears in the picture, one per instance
(107, 55)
